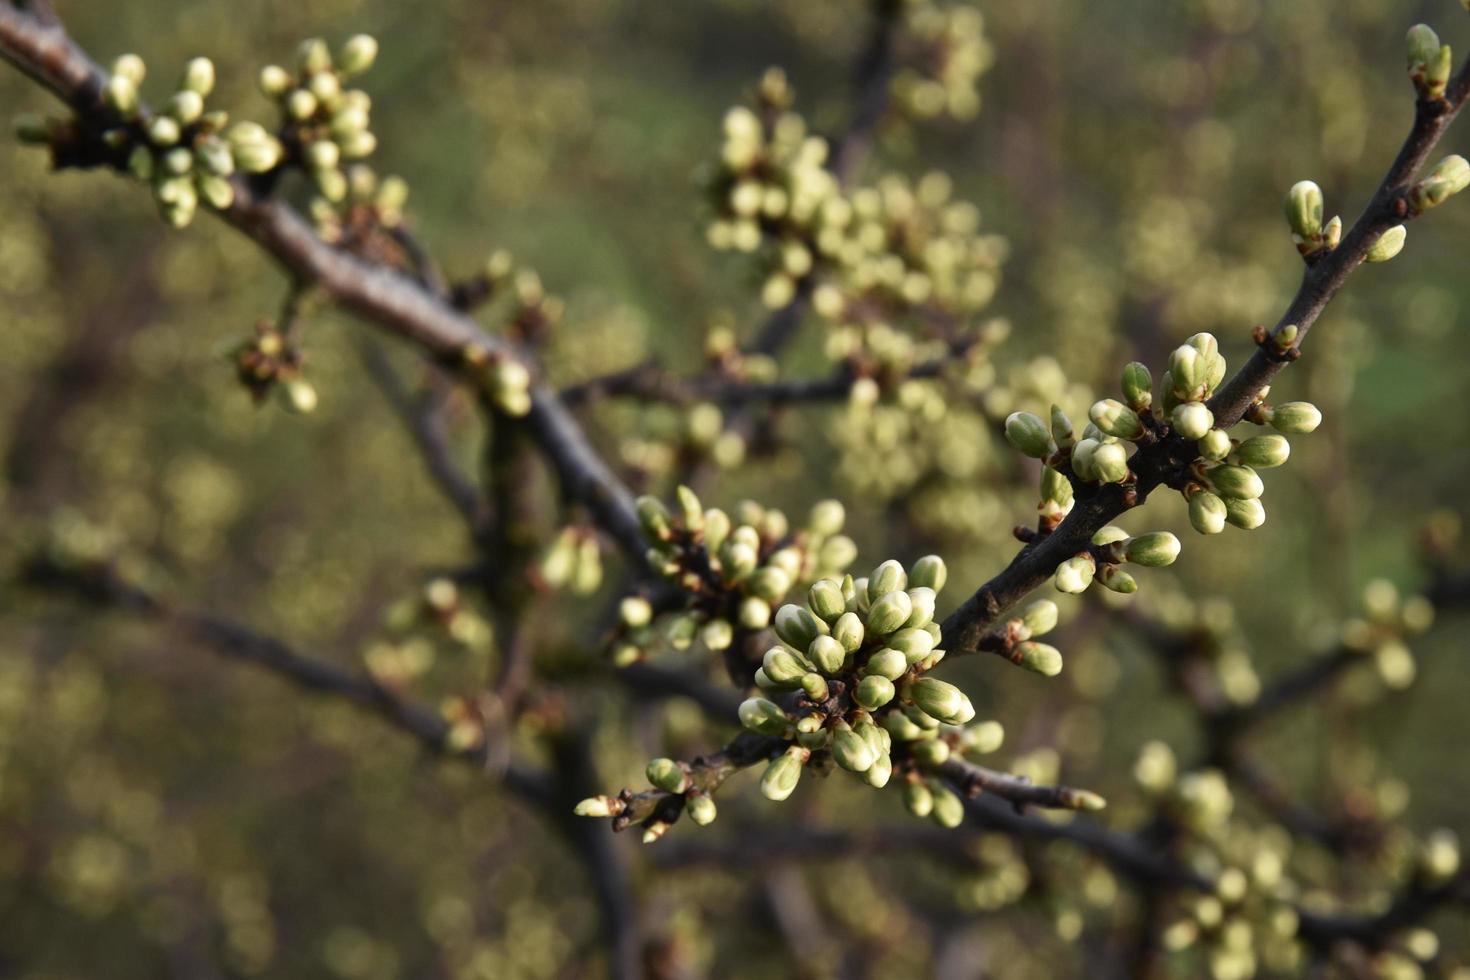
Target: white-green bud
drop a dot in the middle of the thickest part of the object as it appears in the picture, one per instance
(797, 626)
(274, 81)
(889, 663)
(848, 631)
(655, 518)
(949, 809)
(1263, 452)
(1061, 428)
(217, 191)
(815, 686)
(922, 602)
(827, 518)
(1040, 617)
(1389, 244)
(784, 772)
(826, 654)
(887, 577)
(1295, 418)
(1214, 445)
(918, 799)
(701, 809)
(850, 750)
(1207, 512)
(914, 644)
(889, 613)
(1110, 462)
(1075, 574)
(1083, 455)
(826, 599)
(1246, 514)
(1039, 658)
(1117, 579)
(314, 56)
(754, 613)
(1450, 176)
(131, 67)
(1153, 550)
(716, 635)
(1304, 210)
(764, 717)
(1116, 419)
(929, 572)
(1192, 420)
(874, 691)
(358, 54)
(163, 131)
(783, 666)
(1429, 61)
(1030, 435)
(667, 775)
(121, 93)
(1138, 387)
(598, 806)
(199, 76)
(941, 700)
(1236, 482)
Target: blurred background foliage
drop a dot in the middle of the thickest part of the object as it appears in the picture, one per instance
(164, 815)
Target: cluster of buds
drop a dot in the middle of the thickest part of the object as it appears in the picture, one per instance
(414, 623)
(1388, 620)
(503, 378)
(271, 361)
(371, 203)
(573, 561)
(1111, 549)
(327, 123)
(731, 571)
(948, 52)
(1247, 924)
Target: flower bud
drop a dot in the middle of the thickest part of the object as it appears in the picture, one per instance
(1040, 617)
(878, 774)
(274, 81)
(779, 780)
(826, 600)
(701, 809)
(850, 750)
(1207, 512)
(1214, 445)
(918, 799)
(764, 717)
(1295, 418)
(667, 775)
(301, 397)
(929, 572)
(1039, 658)
(1074, 575)
(922, 601)
(313, 56)
(889, 613)
(121, 93)
(199, 76)
(1236, 482)
(1192, 420)
(815, 686)
(887, 577)
(941, 700)
(1153, 550)
(1030, 435)
(848, 631)
(1138, 385)
(890, 663)
(1083, 456)
(797, 626)
(1117, 579)
(1389, 244)
(1061, 428)
(1055, 489)
(716, 635)
(358, 54)
(1246, 514)
(1450, 176)
(1116, 419)
(1189, 373)
(1263, 452)
(827, 654)
(599, 806)
(949, 809)
(914, 643)
(1110, 462)
(1304, 210)
(874, 691)
(930, 752)
(131, 67)
(1429, 61)
(783, 666)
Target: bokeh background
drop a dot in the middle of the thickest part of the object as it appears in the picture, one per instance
(165, 814)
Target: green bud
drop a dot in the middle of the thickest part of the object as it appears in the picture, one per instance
(1040, 617)
(299, 394)
(1153, 550)
(889, 663)
(1083, 456)
(313, 56)
(949, 809)
(274, 81)
(1429, 61)
(199, 76)
(1030, 435)
(898, 725)
(914, 643)
(1450, 176)
(1117, 579)
(930, 752)
(1061, 428)
(918, 799)
(916, 715)
(1207, 512)
(815, 686)
(1215, 445)
(929, 572)
(850, 750)
(784, 772)
(1039, 658)
(691, 511)
(1389, 244)
(922, 601)
(599, 806)
(797, 626)
(874, 691)
(1138, 386)
(1116, 419)
(1110, 462)
(1304, 210)
(783, 666)
(1247, 514)
(764, 717)
(121, 93)
(655, 518)
(667, 775)
(218, 192)
(827, 518)
(827, 654)
(1263, 452)
(1189, 373)
(941, 700)
(717, 634)
(1236, 482)
(701, 809)
(770, 583)
(880, 771)
(826, 599)
(889, 613)
(163, 131)
(131, 67)
(848, 631)
(1074, 575)
(1294, 418)
(358, 54)
(1192, 420)
(887, 577)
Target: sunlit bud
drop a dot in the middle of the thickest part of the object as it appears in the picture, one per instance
(1039, 658)
(826, 654)
(121, 93)
(826, 599)
(1389, 244)
(1110, 462)
(941, 700)
(850, 750)
(837, 552)
(1304, 210)
(131, 67)
(1429, 61)
(931, 752)
(218, 192)
(655, 518)
(299, 395)
(1116, 419)
(770, 583)
(815, 686)
(1075, 574)
(848, 631)
(215, 156)
(797, 626)
(667, 775)
(1214, 445)
(313, 56)
(1192, 420)
(916, 715)
(889, 613)
(754, 613)
(887, 577)
(323, 155)
(929, 572)
(1137, 387)
(635, 611)
(948, 810)
(890, 663)
(717, 634)
(827, 518)
(1439, 857)
(163, 131)
(1154, 550)
(922, 601)
(918, 799)
(878, 774)
(914, 644)
(781, 776)
(1040, 617)
(1061, 428)
(1029, 434)
(874, 691)
(199, 76)
(1245, 514)
(1207, 512)
(783, 666)
(1083, 456)
(358, 54)
(1055, 489)
(1263, 452)
(1236, 482)
(274, 81)
(681, 631)
(1155, 767)
(1295, 418)
(1449, 177)
(1117, 579)
(599, 806)
(701, 809)
(178, 161)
